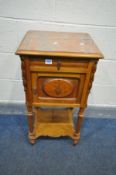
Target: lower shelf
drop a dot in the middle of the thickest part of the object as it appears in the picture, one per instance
(53, 123)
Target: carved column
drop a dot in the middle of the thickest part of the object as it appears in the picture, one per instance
(28, 96)
(92, 76)
(82, 109)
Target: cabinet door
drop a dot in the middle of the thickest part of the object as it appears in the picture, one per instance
(57, 88)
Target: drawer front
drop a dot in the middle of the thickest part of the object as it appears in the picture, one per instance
(58, 65)
(57, 88)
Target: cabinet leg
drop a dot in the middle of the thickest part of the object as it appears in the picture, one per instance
(32, 139)
(30, 121)
(78, 126)
(30, 125)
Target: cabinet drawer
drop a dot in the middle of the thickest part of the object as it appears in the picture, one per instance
(51, 61)
(58, 64)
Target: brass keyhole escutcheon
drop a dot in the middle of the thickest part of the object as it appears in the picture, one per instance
(58, 65)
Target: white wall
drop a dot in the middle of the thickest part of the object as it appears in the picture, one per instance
(97, 17)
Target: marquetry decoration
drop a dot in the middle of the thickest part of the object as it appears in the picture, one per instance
(58, 87)
(55, 87)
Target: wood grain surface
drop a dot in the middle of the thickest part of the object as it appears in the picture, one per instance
(58, 71)
(59, 44)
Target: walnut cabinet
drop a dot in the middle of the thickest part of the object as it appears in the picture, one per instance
(58, 70)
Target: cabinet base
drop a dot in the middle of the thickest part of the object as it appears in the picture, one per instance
(53, 123)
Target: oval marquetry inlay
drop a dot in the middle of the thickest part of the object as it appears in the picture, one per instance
(58, 87)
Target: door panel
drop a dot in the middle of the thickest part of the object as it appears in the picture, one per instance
(57, 88)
